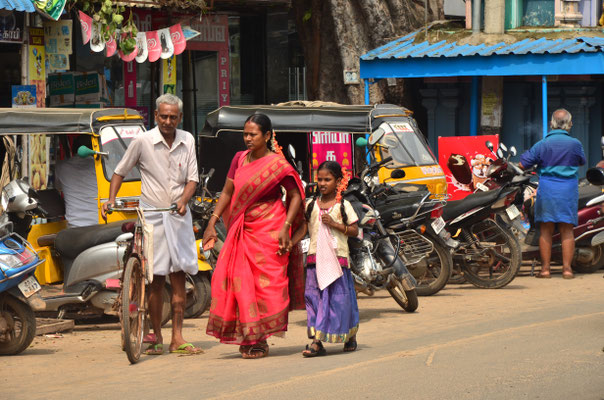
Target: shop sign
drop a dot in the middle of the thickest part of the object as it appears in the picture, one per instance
(11, 28)
(459, 153)
(331, 146)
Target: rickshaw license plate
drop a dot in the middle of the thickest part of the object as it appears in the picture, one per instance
(30, 286)
(438, 225)
(512, 211)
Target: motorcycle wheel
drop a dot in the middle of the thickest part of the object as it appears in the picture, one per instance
(407, 299)
(21, 325)
(503, 256)
(594, 265)
(198, 299)
(433, 272)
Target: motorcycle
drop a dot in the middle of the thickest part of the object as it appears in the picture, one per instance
(413, 214)
(91, 259)
(18, 288)
(489, 255)
(375, 263)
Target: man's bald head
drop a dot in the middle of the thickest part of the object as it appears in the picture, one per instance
(561, 119)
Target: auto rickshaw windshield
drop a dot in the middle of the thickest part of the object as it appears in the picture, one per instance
(405, 145)
(114, 140)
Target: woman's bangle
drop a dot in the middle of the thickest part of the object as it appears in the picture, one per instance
(216, 215)
(345, 229)
(288, 223)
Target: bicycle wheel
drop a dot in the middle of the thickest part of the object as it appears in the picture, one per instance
(133, 309)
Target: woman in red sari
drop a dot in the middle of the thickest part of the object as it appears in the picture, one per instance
(253, 276)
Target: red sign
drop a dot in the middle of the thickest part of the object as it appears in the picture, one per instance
(465, 152)
(130, 84)
(331, 146)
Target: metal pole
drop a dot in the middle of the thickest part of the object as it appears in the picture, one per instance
(474, 107)
(476, 16)
(544, 103)
(366, 81)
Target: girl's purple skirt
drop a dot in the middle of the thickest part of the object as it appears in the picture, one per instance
(333, 313)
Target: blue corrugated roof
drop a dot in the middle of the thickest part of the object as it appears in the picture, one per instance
(17, 5)
(405, 47)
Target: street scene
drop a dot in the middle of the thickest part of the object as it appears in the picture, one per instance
(298, 198)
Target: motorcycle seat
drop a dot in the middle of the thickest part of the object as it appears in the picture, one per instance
(71, 242)
(456, 208)
(588, 192)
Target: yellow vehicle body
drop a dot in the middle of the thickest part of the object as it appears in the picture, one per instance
(57, 122)
(430, 175)
(202, 263)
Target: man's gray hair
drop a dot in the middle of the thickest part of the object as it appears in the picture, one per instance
(561, 119)
(168, 99)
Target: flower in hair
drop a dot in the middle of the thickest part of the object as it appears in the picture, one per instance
(276, 148)
(346, 175)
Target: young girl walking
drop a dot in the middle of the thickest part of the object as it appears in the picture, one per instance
(331, 303)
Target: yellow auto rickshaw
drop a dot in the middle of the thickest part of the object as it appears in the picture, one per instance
(45, 136)
(297, 123)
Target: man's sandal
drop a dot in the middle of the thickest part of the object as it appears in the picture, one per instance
(258, 350)
(155, 349)
(350, 345)
(188, 349)
(312, 352)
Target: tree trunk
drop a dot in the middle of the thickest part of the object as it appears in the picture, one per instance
(335, 33)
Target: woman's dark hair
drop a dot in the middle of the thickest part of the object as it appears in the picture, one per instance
(265, 125)
(336, 170)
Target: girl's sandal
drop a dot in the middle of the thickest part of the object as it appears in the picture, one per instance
(350, 345)
(312, 352)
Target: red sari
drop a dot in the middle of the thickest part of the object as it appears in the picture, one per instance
(251, 285)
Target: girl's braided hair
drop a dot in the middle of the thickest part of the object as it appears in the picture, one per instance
(338, 173)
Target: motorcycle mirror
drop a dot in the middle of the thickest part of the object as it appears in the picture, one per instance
(499, 153)
(291, 151)
(361, 142)
(489, 145)
(513, 151)
(595, 176)
(85, 152)
(376, 136)
(397, 174)
(503, 147)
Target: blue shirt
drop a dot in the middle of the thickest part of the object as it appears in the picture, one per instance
(557, 154)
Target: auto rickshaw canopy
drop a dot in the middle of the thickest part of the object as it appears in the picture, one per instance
(17, 121)
(304, 117)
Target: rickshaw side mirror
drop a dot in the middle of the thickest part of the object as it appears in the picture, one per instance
(376, 136)
(292, 151)
(595, 176)
(397, 174)
(361, 142)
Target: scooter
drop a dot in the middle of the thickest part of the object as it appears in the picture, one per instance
(92, 260)
(18, 290)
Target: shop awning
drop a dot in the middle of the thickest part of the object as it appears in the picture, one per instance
(17, 5)
(579, 53)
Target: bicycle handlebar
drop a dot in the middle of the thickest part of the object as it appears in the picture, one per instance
(173, 207)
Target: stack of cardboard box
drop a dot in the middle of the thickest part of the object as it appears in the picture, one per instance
(78, 89)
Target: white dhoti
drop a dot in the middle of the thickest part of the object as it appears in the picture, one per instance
(173, 242)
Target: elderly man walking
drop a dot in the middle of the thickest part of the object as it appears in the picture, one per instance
(166, 159)
(557, 157)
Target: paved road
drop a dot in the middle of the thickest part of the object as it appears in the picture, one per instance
(535, 339)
